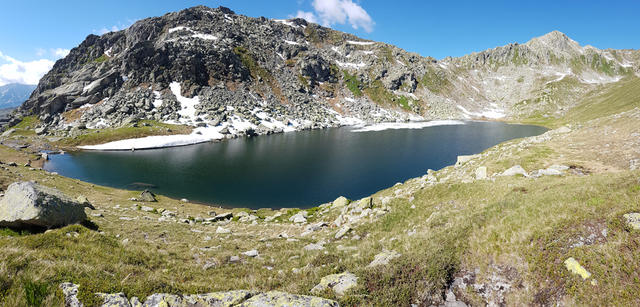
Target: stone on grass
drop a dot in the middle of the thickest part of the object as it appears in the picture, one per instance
(27, 204)
(383, 258)
(515, 170)
(464, 159)
(147, 196)
(229, 298)
(222, 230)
(340, 202)
(251, 253)
(576, 268)
(70, 294)
(114, 300)
(343, 231)
(481, 173)
(313, 247)
(633, 220)
(338, 283)
(276, 298)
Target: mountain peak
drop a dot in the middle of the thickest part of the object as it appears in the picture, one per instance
(554, 40)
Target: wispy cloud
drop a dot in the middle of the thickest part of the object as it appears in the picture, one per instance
(115, 28)
(15, 71)
(330, 12)
(60, 52)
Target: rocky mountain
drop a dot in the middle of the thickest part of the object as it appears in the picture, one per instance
(236, 75)
(12, 95)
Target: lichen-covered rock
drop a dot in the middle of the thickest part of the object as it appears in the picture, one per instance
(633, 220)
(218, 299)
(342, 231)
(70, 294)
(576, 268)
(340, 202)
(163, 300)
(27, 204)
(275, 298)
(383, 258)
(114, 300)
(338, 283)
(481, 173)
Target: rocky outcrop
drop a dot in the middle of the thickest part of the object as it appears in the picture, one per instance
(30, 205)
(238, 298)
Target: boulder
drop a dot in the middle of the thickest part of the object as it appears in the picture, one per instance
(27, 204)
(383, 258)
(338, 283)
(464, 159)
(633, 220)
(515, 170)
(114, 300)
(276, 298)
(70, 294)
(481, 173)
(147, 196)
(340, 202)
(343, 231)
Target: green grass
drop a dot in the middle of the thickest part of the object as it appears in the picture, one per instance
(353, 83)
(27, 126)
(99, 136)
(102, 58)
(35, 293)
(435, 81)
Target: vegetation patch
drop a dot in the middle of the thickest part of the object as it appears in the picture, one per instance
(143, 128)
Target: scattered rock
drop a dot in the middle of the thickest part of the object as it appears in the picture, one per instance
(339, 283)
(343, 231)
(275, 298)
(222, 230)
(383, 258)
(340, 202)
(313, 247)
(251, 253)
(234, 259)
(576, 268)
(114, 300)
(147, 196)
(146, 209)
(464, 159)
(70, 293)
(515, 170)
(481, 173)
(299, 217)
(633, 220)
(27, 204)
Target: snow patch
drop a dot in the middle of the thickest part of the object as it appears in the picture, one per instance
(157, 103)
(180, 28)
(351, 65)
(187, 105)
(494, 113)
(360, 43)
(291, 42)
(205, 36)
(409, 125)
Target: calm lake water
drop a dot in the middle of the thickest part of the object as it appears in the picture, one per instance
(297, 169)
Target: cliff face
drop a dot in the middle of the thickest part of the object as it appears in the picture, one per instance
(211, 67)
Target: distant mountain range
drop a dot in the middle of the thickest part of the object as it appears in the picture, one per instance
(14, 94)
(213, 68)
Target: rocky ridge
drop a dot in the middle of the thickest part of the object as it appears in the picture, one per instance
(237, 75)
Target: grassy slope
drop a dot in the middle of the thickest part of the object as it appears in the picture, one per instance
(515, 229)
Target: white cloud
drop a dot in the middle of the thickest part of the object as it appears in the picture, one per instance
(331, 12)
(308, 16)
(15, 71)
(60, 52)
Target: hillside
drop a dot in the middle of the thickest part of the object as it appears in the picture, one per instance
(229, 74)
(13, 95)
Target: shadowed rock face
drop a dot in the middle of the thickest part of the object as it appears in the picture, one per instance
(30, 205)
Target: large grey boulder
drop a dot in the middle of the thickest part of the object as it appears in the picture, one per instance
(339, 283)
(28, 204)
(147, 196)
(275, 298)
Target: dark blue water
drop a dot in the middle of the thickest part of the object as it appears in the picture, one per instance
(297, 169)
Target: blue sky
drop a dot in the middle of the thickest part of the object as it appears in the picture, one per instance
(36, 33)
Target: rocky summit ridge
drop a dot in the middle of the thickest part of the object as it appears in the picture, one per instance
(212, 68)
